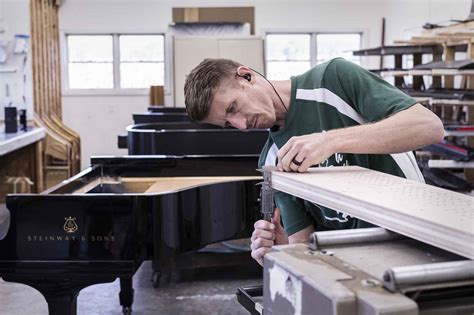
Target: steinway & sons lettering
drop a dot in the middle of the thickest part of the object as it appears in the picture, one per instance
(70, 226)
(48, 238)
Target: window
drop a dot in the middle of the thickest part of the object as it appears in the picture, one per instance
(115, 61)
(292, 54)
(329, 46)
(141, 61)
(90, 62)
(287, 54)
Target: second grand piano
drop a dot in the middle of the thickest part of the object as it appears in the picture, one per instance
(102, 223)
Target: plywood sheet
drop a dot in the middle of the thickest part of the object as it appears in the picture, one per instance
(430, 214)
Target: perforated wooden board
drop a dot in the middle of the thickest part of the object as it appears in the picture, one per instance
(430, 214)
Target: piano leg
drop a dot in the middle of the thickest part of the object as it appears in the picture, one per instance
(60, 293)
(126, 294)
(62, 304)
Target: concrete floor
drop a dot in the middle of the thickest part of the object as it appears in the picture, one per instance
(192, 297)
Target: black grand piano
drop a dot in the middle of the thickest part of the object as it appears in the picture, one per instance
(189, 138)
(169, 131)
(164, 131)
(103, 223)
(156, 114)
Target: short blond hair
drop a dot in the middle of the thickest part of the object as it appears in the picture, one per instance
(202, 83)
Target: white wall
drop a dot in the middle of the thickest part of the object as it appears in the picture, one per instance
(99, 119)
(14, 19)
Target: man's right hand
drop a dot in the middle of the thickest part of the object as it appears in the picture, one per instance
(267, 234)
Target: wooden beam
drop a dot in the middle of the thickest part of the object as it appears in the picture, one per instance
(191, 15)
(449, 164)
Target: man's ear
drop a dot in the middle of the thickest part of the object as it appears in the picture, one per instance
(244, 72)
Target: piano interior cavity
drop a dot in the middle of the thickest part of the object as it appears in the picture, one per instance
(153, 185)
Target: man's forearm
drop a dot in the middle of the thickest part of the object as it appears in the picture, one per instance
(407, 130)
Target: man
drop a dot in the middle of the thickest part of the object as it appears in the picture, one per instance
(335, 114)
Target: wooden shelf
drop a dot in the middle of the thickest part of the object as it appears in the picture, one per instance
(432, 72)
(450, 133)
(450, 102)
(400, 50)
(449, 164)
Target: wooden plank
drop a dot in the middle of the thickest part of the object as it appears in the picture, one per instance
(191, 15)
(216, 15)
(418, 42)
(452, 72)
(421, 99)
(449, 164)
(40, 61)
(450, 102)
(47, 50)
(467, 32)
(395, 73)
(429, 214)
(55, 57)
(39, 181)
(449, 55)
(34, 57)
(419, 72)
(452, 133)
(433, 72)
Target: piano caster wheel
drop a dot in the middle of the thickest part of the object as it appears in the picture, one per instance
(127, 310)
(156, 279)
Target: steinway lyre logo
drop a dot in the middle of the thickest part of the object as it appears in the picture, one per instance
(70, 226)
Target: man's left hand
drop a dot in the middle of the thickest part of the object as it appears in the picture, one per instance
(300, 153)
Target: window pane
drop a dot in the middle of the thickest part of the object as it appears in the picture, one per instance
(91, 76)
(288, 46)
(141, 75)
(90, 48)
(330, 46)
(284, 70)
(141, 48)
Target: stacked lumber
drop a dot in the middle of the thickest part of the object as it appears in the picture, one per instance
(62, 144)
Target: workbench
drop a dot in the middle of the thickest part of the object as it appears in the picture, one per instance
(21, 161)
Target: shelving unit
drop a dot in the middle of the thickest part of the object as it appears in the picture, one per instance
(398, 51)
(454, 104)
(450, 164)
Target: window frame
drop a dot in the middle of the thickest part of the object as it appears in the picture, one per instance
(313, 49)
(116, 90)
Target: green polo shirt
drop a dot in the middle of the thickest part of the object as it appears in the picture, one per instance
(337, 94)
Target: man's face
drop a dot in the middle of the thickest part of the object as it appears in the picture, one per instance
(243, 105)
